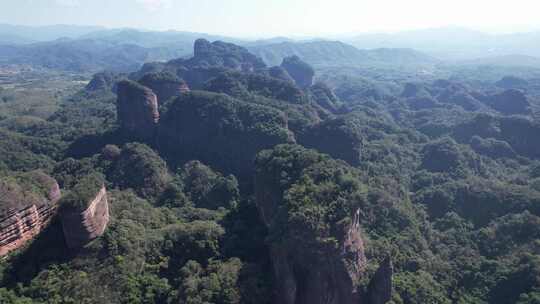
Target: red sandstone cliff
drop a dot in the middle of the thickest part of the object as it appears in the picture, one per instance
(138, 109)
(82, 227)
(17, 226)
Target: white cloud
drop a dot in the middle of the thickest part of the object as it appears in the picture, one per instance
(155, 5)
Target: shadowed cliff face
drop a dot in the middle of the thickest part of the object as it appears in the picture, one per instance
(137, 108)
(316, 243)
(301, 72)
(380, 286)
(82, 226)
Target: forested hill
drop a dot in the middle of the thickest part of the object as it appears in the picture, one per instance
(232, 181)
(335, 53)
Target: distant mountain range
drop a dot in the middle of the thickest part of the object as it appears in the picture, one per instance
(17, 34)
(335, 53)
(87, 48)
(453, 43)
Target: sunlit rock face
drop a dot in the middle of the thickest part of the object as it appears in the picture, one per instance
(80, 227)
(24, 215)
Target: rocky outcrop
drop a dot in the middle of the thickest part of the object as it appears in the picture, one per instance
(340, 137)
(164, 85)
(80, 227)
(138, 109)
(323, 95)
(26, 219)
(103, 81)
(222, 54)
(197, 120)
(380, 286)
(300, 71)
(312, 265)
(280, 73)
(242, 85)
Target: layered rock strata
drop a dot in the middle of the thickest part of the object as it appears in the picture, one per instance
(20, 226)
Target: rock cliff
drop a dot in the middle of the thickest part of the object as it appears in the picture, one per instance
(138, 109)
(164, 85)
(198, 120)
(340, 137)
(24, 213)
(317, 248)
(380, 286)
(103, 81)
(301, 72)
(222, 54)
(80, 227)
(323, 95)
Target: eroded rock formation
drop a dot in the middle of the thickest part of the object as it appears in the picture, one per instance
(312, 265)
(199, 119)
(301, 72)
(103, 81)
(380, 286)
(138, 109)
(80, 227)
(164, 85)
(27, 214)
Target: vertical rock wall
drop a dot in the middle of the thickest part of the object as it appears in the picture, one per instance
(82, 227)
(19, 226)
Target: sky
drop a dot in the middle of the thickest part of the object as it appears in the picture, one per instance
(266, 18)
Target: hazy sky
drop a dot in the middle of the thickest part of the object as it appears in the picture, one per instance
(278, 17)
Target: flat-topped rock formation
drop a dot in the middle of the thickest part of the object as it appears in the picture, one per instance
(84, 222)
(138, 109)
(25, 210)
(164, 85)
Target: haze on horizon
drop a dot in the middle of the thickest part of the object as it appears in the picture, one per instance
(255, 18)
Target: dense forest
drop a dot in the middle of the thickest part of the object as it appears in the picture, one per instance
(231, 181)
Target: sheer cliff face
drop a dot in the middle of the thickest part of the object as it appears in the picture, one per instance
(29, 213)
(316, 260)
(80, 227)
(138, 109)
